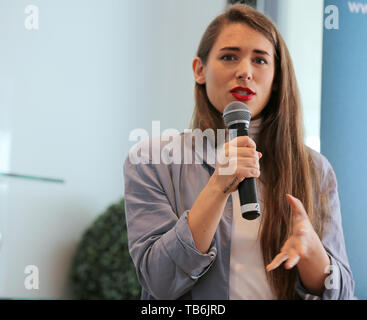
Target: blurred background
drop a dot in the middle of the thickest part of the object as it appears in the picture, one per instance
(76, 77)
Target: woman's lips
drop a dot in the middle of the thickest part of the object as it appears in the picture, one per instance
(241, 97)
(242, 94)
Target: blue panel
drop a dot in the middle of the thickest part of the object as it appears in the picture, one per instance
(343, 130)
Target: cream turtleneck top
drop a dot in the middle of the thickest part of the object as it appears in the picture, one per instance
(247, 276)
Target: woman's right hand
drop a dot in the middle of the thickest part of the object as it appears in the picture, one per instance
(238, 160)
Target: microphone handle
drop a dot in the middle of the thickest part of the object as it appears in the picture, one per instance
(247, 189)
(250, 207)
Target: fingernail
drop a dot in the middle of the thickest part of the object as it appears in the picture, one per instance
(260, 154)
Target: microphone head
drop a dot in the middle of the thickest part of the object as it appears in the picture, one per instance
(236, 112)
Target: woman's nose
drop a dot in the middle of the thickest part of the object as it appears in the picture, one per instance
(244, 71)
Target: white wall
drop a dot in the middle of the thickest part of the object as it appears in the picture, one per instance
(70, 93)
(301, 25)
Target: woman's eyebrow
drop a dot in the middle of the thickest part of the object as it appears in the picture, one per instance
(261, 52)
(230, 49)
(238, 49)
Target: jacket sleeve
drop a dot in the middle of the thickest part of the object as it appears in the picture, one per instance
(160, 241)
(339, 284)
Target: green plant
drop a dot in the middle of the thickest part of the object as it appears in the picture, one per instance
(102, 267)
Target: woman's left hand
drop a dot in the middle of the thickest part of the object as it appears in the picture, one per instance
(302, 240)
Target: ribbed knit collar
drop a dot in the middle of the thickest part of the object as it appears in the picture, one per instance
(255, 127)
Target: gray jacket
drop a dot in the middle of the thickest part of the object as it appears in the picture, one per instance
(168, 265)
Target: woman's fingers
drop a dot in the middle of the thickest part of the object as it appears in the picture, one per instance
(242, 152)
(294, 248)
(291, 256)
(297, 207)
(236, 161)
(248, 173)
(248, 163)
(239, 144)
(277, 261)
(243, 141)
(242, 168)
(293, 260)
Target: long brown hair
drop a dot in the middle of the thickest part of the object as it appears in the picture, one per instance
(286, 165)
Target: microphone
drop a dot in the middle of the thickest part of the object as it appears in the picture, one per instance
(237, 116)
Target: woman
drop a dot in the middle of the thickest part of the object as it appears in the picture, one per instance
(186, 236)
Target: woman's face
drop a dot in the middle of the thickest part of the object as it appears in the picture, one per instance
(240, 67)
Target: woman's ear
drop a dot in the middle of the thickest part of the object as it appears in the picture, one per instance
(198, 68)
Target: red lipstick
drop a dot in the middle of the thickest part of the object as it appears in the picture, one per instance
(243, 94)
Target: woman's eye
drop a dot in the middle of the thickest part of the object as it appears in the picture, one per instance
(228, 57)
(260, 61)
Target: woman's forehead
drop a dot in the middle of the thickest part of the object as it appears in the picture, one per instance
(242, 36)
